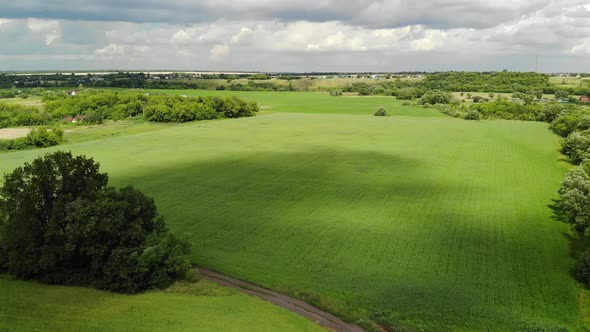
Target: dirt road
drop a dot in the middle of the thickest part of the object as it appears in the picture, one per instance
(302, 308)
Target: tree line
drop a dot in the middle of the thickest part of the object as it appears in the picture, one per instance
(497, 82)
(95, 106)
(566, 120)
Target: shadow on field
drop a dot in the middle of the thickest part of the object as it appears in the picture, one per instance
(356, 231)
(557, 212)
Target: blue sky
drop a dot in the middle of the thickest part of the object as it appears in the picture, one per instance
(305, 35)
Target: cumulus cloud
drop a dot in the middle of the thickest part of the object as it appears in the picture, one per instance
(111, 49)
(219, 52)
(382, 13)
(307, 35)
(49, 29)
(244, 35)
(432, 39)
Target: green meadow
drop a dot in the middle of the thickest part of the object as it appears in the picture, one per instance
(316, 102)
(421, 222)
(28, 306)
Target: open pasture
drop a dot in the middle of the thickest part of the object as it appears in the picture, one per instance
(202, 306)
(316, 102)
(419, 222)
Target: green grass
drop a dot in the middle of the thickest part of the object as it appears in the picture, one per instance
(78, 134)
(569, 82)
(317, 102)
(428, 223)
(203, 306)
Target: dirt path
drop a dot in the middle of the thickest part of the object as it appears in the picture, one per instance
(302, 308)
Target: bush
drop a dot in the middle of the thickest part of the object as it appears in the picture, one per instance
(381, 112)
(40, 138)
(472, 115)
(434, 97)
(407, 93)
(336, 93)
(583, 269)
(63, 225)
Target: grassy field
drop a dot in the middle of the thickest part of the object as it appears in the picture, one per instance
(316, 102)
(420, 222)
(31, 101)
(569, 82)
(202, 306)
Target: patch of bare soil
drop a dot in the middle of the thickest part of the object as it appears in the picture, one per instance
(12, 133)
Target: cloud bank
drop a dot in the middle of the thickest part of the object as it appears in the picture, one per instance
(276, 35)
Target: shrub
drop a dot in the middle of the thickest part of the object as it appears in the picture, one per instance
(407, 93)
(39, 137)
(381, 112)
(561, 95)
(64, 225)
(336, 93)
(583, 269)
(472, 115)
(434, 97)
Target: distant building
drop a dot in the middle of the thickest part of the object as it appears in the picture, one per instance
(585, 99)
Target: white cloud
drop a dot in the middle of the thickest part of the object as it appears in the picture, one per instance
(432, 39)
(581, 49)
(244, 35)
(329, 35)
(181, 36)
(49, 29)
(218, 52)
(111, 49)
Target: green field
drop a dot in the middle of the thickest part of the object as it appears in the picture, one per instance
(316, 102)
(28, 306)
(428, 223)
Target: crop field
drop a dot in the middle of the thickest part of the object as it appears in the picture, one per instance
(28, 306)
(422, 222)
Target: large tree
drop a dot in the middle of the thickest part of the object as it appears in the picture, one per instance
(62, 224)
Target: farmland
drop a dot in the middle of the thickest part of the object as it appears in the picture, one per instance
(316, 102)
(416, 220)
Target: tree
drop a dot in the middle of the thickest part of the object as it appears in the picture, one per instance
(576, 146)
(62, 224)
(561, 95)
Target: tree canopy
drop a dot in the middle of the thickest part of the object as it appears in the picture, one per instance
(61, 223)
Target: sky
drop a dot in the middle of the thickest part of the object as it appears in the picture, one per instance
(295, 36)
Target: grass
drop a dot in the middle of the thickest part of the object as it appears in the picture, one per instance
(202, 306)
(426, 223)
(78, 134)
(569, 82)
(33, 101)
(317, 102)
